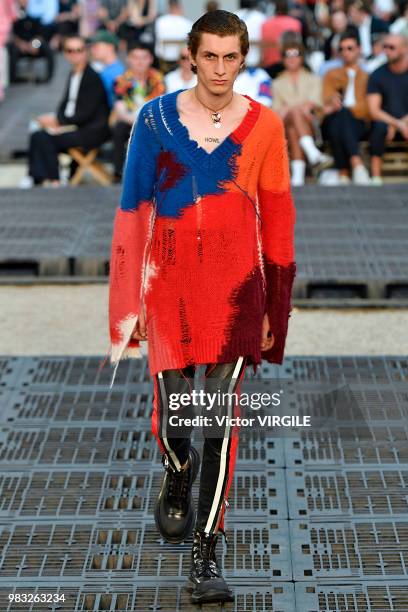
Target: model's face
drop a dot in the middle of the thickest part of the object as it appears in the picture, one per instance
(139, 60)
(349, 51)
(218, 61)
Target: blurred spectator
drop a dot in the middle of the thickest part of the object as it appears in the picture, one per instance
(104, 46)
(46, 11)
(359, 13)
(30, 37)
(338, 23)
(67, 21)
(8, 14)
(136, 86)
(384, 9)
(346, 111)
(378, 57)
(297, 99)
(400, 25)
(253, 20)
(89, 18)
(272, 30)
(183, 77)
(81, 119)
(388, 101)
(112, 13)
(139, 25)
(256, 83)
(172, 26)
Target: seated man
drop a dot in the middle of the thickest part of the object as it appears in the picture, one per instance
(81, 119)
(136, 86)
(31, 36)
(388, 101)
(346, 111)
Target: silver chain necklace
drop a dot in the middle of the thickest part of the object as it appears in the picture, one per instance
(215, 114)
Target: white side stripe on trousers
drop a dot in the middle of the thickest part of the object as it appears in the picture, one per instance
(223, 458)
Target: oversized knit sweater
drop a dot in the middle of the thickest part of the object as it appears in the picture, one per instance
(204, 240)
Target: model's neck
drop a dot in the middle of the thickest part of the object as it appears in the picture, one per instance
(213, 101)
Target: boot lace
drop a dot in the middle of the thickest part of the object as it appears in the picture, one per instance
(178, 486)
(203, 553)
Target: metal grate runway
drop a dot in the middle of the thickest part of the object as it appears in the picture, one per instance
(317, 522)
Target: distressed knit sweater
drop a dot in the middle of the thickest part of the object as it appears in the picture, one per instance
(204, 240)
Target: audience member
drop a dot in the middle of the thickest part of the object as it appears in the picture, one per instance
(46, 11)
(68, 18)
(360, 16)
(8, 14)
(253, 19)
(169, 27)
(136, 86)
(338, 23)
(104, 47)
(272, 30)
(111, 14)
(139, 25)
(378, 57)
(346, 111)
(298, 100)
(388, 101)
(400, 25)
(256, 83)
(30, 39)
(182, 77)
(81, 119)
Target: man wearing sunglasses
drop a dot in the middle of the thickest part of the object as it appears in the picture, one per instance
(346, 111)
(388, 101)
(81, 119)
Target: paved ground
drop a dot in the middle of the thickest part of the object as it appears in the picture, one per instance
(72, 320)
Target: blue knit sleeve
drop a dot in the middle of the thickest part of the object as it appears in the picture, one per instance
(140, 163)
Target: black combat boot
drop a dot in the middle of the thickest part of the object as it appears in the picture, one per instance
(206, 583)
(174, 512)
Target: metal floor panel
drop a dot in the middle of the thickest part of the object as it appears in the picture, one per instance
(134, 597)
(338, 494)
(356, 549)
(358, 597)
(131, 492)
(133, 550)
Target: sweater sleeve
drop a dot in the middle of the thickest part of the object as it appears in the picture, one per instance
(130, 241)
(278, 217)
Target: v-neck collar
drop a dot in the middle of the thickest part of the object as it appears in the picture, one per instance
(180, 132)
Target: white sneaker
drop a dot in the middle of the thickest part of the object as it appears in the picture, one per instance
(26, 182)
(361, 176)
(377, 181)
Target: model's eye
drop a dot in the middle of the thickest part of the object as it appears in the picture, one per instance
(209, 55)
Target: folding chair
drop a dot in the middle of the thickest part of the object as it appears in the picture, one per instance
(87, 162)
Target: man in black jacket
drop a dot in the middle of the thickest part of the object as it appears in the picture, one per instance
(81, 119)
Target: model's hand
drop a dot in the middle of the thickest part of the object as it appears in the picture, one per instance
(140, 331)
(268, 338)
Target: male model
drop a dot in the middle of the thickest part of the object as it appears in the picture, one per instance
(202, 266)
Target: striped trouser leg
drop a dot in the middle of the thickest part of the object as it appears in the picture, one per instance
(219, 453)
(171, 444)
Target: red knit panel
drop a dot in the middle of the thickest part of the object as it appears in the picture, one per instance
(278, 226)
(128, 243)
(279, 280)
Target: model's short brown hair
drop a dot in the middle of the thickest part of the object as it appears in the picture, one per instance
(221, 23)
